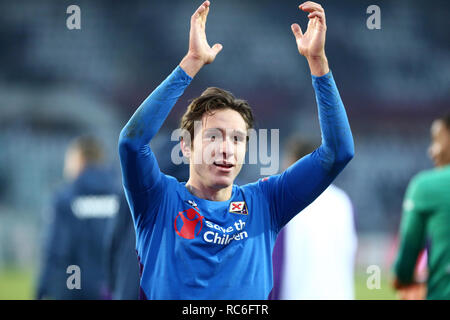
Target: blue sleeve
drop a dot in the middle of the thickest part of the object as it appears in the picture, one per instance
(300, 184)
(140, 170)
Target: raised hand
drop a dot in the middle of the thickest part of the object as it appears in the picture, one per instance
(200, 53)
(311, 44)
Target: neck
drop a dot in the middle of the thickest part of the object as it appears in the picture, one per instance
(209, 193)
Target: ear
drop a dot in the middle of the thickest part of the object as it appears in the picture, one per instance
(185, 148)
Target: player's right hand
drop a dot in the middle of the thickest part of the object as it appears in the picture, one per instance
(199, 48)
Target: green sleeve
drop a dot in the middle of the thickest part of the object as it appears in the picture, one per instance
(412, 231)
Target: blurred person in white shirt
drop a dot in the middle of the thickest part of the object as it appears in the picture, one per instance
(314, 255)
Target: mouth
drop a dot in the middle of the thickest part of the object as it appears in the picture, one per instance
(224, 166)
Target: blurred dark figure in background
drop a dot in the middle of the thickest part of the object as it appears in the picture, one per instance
(314, 254)
(81, 211)
(426, 223)
(121, 258)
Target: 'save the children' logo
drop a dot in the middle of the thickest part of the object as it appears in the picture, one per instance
(188, 223)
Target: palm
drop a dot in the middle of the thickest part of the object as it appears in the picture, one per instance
(312, 43)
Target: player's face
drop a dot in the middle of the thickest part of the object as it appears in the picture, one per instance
(223, 145)
(73, 163)
(439, 149)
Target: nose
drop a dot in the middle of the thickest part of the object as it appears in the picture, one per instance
(226, 147)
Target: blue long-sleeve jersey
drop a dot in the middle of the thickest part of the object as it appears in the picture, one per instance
(192, 248)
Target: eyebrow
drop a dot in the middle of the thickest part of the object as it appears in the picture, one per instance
(234, 131)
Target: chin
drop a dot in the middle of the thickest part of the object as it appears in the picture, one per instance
(223, 183)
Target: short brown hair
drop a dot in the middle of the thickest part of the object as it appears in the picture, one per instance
(213, 99)
(91, 148)
(446, 120)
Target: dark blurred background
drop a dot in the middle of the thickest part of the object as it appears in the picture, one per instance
(56, 84)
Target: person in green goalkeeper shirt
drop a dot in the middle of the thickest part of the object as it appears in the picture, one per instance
(426, 219)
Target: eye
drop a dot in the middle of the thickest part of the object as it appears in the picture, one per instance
(238, 138)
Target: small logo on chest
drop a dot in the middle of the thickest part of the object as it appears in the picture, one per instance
(238, 207)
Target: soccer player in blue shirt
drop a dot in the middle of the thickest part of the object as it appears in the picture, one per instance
(209, 238)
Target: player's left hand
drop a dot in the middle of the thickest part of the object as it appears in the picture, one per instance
(311, 44)
(416, 291)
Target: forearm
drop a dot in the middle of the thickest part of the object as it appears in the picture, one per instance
(411, 242)
(404, 266)
(140, 170)
(151, 114)
(337, 147)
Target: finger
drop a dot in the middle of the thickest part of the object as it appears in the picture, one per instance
(296, 30)
(317, 14)
(204, 16)
(217, 48)
(310, 7)
(201, 9)
(311, 4)
(198, 20)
